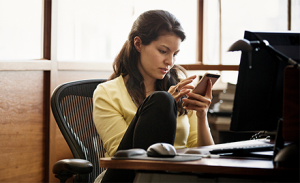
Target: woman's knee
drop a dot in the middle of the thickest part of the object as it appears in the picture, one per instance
(163, 98)
(159, 103)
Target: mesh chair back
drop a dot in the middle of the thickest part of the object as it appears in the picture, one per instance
(72, 107)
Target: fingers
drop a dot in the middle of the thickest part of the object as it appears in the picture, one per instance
(182, 88)
(178, 93)
(196, 99)
(197, 102)
(181, 94)
(185, 84)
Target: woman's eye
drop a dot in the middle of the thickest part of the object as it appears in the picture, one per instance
(162, 51)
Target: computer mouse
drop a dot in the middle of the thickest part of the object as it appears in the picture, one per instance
(161, 150)
(129, 153)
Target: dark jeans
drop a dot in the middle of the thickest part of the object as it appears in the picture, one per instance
(155, 121)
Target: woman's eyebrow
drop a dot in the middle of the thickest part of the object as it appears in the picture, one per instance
(168, 48)
(165, 47)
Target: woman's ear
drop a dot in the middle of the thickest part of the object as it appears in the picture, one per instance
(137, 43)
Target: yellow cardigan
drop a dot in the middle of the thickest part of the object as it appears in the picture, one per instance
(114, 110)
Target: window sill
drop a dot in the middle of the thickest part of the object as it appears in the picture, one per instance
(84, 66)
(25, 65)
(45, 65)
(210, 67)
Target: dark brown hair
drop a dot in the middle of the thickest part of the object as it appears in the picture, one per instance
(148, 27)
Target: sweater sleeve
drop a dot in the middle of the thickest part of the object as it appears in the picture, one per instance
(192, 138)
(108, 119)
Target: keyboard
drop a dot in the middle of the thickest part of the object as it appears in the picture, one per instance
(243, 149)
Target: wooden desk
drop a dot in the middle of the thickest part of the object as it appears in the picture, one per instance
(230, 167)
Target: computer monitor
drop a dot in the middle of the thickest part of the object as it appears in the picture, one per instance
(258, 99)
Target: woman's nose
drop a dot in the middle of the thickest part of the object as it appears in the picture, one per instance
(169, 60)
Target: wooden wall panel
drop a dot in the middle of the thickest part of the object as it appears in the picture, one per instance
(23, 130)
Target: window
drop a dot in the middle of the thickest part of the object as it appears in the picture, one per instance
(92, 30)
(226, 20)
(295, 15)
(186, 13)
(21, 29)
(236, 17)
(95, 30)
(267, 15)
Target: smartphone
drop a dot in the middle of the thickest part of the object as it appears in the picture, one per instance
(202, 84)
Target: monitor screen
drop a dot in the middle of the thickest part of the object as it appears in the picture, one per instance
(259, 90)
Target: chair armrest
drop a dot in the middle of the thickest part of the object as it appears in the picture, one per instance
(67, 167)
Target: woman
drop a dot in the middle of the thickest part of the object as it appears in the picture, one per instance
(141, 104)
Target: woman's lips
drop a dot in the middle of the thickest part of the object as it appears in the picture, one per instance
(164, 70)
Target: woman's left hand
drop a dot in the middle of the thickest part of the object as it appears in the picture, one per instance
(198, 102)
(182, 88)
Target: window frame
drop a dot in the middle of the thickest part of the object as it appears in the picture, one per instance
(199, 63)
(47, 30)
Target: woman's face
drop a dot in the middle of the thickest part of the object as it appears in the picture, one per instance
(157, 58)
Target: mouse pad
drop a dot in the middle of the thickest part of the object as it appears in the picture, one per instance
(145, 157)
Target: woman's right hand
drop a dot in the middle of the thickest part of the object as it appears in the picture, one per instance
(182, 88)
(198, 102)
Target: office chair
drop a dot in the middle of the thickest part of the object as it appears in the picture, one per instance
(72, 107)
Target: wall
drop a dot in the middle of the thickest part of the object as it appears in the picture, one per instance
(30, 141)
(23, 126)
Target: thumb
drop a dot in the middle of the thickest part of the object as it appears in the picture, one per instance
(208, 93)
